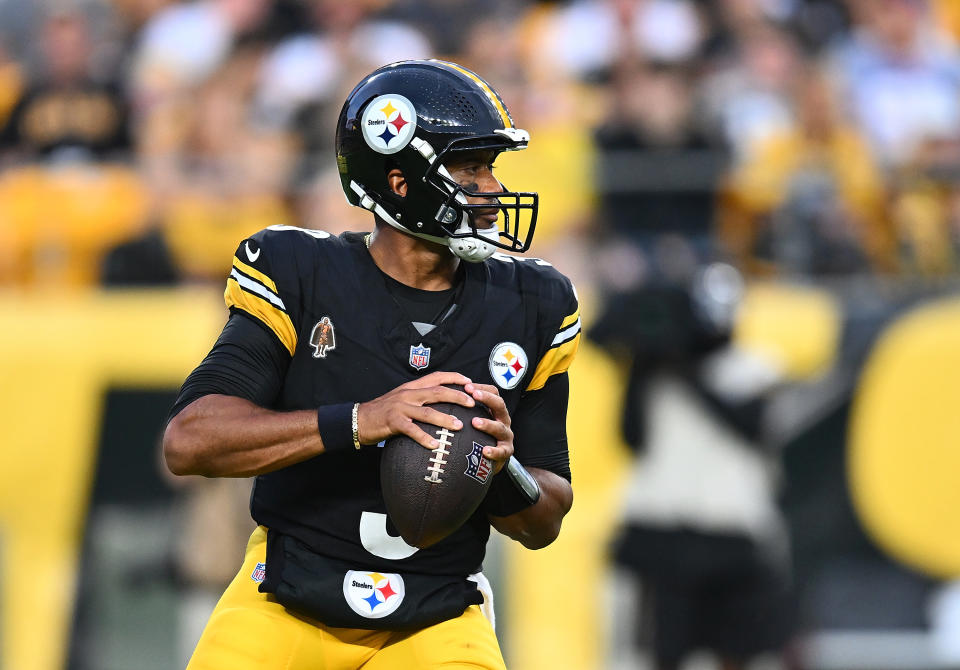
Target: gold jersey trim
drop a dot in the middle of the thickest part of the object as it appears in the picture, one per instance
(556, 361)
(254, 273)
(263, 309)
(570, 320)
(560, 354)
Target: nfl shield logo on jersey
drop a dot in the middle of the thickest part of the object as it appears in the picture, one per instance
(419, 356)
(259, 572)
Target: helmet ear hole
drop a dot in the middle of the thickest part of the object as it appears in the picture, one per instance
(397, 182)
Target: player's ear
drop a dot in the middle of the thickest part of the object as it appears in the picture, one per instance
(397, 182)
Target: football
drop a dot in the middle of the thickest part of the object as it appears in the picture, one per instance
(431, 493)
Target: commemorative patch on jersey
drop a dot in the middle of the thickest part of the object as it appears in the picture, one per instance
(373, 594)
(323, 338)
(419, 356)
(259, 573)
(508, 364)
(478, 466)
(388, 123)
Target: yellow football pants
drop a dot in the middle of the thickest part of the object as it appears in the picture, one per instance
(249, 630)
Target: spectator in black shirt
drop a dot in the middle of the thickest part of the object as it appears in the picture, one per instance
(64, 113)
(657, 170)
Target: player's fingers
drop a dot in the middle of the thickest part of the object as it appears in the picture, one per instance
(497, 429)
(437, 379)
(499, 454)
(434, 394)
(491, 399)
(434, 417)
(414, 432)
(494, 402)
(489, 388)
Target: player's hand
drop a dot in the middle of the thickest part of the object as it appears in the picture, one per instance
(394, 412)
(498, 427)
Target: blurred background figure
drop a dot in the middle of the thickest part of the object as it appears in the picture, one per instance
(899, 71)
(183, 43)
(214, 523)
(746, 92)
(810, 200)
(789, 426)
(699, 523)
(657, 169)
(70, 109)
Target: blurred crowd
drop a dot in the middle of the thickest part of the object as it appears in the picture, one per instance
(140, 139)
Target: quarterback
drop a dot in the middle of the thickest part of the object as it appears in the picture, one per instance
(336, 343)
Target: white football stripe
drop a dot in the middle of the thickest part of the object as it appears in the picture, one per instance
(567, 333)
(257, 288)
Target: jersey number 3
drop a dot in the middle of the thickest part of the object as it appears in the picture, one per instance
(376, 539)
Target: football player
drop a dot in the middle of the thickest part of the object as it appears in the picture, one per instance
(423, 302)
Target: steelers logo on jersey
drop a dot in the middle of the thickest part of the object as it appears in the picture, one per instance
(373, 594)
(388, 123)
(508, 364)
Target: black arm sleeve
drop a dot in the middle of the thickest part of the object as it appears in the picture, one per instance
(247, 361)
(540, 427)
(540, 440)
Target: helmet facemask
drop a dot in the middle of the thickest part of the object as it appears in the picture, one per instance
(456, 215)
(451, 215)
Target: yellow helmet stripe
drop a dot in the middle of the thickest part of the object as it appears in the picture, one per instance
(486, 89)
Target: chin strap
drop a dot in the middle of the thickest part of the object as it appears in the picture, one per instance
(470, 249)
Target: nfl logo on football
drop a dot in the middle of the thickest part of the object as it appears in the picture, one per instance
(478, 467)
(419, 356)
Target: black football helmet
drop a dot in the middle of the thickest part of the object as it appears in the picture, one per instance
(413, 115)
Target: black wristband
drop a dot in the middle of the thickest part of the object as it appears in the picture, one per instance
(335, 425)
(504, 498)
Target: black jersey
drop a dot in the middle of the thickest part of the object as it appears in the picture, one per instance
(516, 324)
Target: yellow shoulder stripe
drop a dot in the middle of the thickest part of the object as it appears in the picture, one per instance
(556, 360)
(275, 318)
(256, 274)
(570, 320)
(507, 123)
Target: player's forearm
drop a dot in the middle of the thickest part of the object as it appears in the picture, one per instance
(225, 436)
(539, 525)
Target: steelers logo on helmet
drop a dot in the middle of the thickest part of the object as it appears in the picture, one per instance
(508, 364)
(373, 595)
(388, 123)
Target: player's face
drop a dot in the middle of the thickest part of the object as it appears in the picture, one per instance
(473, 170)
